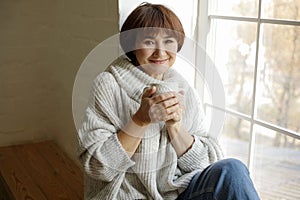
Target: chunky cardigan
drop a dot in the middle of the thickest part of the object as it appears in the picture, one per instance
(154, 171)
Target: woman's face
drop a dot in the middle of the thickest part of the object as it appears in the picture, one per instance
(156, 53)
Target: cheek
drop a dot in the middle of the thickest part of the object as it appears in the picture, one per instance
(143, 53)
(173, 58)
(173, 55)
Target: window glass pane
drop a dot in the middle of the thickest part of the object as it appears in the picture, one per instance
(185, 69)
(245, 8)
(281, 9)
(233, 52)
(276, 165)
(278, 93)
(235, 138)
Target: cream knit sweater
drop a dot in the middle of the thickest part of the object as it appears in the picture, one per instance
(154, 171)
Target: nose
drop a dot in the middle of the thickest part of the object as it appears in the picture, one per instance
(160, 51)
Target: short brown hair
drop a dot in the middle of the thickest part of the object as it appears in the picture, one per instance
(149, 16)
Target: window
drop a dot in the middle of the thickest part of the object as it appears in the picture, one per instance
(255, 45)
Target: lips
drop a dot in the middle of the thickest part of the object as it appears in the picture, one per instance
(159, 62)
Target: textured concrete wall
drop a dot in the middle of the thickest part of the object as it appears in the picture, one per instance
(42, 44)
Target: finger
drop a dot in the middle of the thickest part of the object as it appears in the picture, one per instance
(172, 109)
(173, 116)
(148, 92)
(158, 113)
(170, 104)
(162, 97)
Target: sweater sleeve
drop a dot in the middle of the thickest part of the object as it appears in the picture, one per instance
(205, 149)
(101, 153)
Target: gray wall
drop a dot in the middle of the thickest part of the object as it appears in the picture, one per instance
(42, 44)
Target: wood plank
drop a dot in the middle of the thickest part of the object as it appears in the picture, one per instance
(70, 173)
(21, 185)
(5, 193)
(48, 180)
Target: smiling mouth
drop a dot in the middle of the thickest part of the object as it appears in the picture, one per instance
(159, 62)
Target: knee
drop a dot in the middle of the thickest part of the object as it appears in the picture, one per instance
(231, 167)
(232, 180)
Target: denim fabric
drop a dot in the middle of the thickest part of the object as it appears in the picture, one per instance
(223, 180)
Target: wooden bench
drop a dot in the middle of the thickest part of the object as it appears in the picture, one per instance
(38, 171)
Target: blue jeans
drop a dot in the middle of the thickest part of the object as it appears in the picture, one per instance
(225, 179)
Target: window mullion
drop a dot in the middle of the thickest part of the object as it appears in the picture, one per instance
(201, 31)
(252, 19)
(255, 85)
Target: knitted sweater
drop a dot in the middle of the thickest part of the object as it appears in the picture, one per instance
(154, 171)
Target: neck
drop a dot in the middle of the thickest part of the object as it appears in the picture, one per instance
(157, 76)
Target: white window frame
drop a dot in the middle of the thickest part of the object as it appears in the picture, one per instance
(203, 26)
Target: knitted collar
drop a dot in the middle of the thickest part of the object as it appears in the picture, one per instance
(133, 80)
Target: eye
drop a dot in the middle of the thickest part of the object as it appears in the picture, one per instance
(148, 42)
(169, 41)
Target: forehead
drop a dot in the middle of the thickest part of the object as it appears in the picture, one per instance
(155, 34)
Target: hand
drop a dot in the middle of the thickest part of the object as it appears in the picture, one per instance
(142, 117)
(162, 107)
(176, 116)
(167, 107)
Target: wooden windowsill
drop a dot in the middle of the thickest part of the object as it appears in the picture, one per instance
(39, 171)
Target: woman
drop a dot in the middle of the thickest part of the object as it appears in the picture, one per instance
(144, 135)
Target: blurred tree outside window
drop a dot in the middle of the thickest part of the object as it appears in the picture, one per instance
(256, 47)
